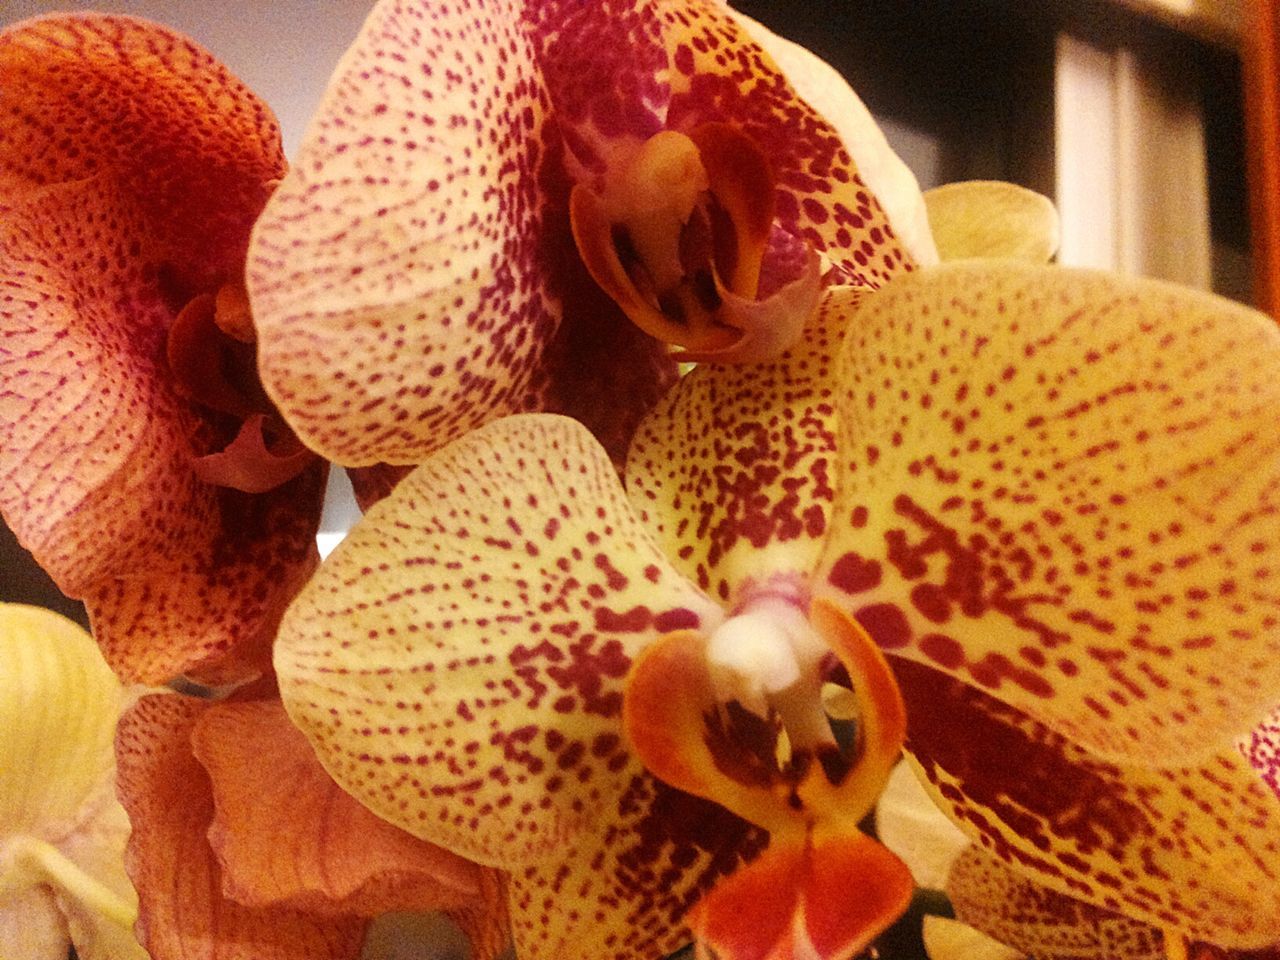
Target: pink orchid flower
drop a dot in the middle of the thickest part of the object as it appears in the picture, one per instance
(140, 461)
(1047, 495)
(504, 207)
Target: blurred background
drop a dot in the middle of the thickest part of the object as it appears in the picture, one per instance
(1126, 112)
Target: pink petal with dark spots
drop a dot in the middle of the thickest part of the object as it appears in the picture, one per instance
(1064, 487)
(415, 275)
(1015, 910)
(96, 449)
(458, 662)
(734, 471)
(182, 914)
(1191, 846)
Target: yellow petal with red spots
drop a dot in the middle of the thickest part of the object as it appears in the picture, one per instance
(1013, 909)
(734, 471)
(1064, 487)
(458, 662)
(1186, 845)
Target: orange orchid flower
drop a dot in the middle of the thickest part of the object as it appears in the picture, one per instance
(140, 461)
(480, 176)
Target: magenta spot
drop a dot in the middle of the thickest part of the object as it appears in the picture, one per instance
(677, 619)
(854, 574)
(636, 619)
(942, 650)
(887, 625)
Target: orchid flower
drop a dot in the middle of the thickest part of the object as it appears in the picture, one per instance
(244, 848)
(62, 832)
(140, 461)
(1047, 494)
(511, 206)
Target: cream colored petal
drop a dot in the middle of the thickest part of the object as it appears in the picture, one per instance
(97, 847)
(881, 169)
(63, 829)
(993, 219)
(946, 939)
(910, 824)
(31, 926)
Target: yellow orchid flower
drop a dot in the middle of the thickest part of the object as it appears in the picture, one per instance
(62, 831)
(1046, 495)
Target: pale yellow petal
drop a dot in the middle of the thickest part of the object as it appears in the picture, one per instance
(990, 218)
(910, 824)
(58, 708)
(946, 939)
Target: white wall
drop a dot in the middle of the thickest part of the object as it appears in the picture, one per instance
(284, 49)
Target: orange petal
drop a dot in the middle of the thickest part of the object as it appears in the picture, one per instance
(825, 900)
(1062, 486)
(1015, 910)
(1181, 844)
(286, 835)
(149, 109)
(170, 804)
(458, 661)
(734, 470)
(172, 570)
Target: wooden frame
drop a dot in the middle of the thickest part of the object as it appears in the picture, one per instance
(1261, 60)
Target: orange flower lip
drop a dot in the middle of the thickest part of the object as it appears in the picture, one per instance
(211, 355)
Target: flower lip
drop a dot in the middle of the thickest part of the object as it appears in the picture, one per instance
(676, 234)
(210, 350)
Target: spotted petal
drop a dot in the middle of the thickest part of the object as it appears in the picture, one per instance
(415, 275)
(1064, 487)
(92, 95)
(1038, 922)
(95, 444)
(734, 469)
(1190, 846)
(458, 661)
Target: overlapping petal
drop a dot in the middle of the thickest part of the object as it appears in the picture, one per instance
(1063, 488)
(62, 831)
(459, 662)
(1039, 922)
(1190, 845)
(415, 275)
(183, 914)
(993, 219)
(734, 470)
(286, 835)
(134, 166)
